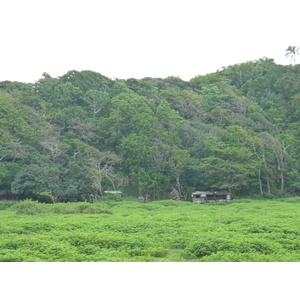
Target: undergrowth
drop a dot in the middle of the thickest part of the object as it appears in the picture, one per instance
(127, 230)
(29, 207)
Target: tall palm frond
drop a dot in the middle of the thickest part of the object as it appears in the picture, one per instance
(292, 51)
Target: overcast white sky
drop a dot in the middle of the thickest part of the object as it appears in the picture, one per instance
(138, 38)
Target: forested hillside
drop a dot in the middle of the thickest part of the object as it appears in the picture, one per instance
(73, 137)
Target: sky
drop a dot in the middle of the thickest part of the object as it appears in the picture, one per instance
(141, 38)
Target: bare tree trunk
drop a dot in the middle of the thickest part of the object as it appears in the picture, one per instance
(259, 180)
(268, 185)
(178, 186)
(281, 182)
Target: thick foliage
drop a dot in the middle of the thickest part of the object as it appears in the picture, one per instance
(75, 136)
(166, 230)
(29, 207)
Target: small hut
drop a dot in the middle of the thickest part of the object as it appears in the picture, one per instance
(112, 192)
(210, 197)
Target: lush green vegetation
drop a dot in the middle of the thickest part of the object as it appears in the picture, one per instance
(70, 138)
(165, 230)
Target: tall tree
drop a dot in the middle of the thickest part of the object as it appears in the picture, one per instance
(281, 154)
(101, 168)
(97, 100)
(291, 52)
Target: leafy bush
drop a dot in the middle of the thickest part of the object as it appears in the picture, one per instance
(112, 197)
(182, 231)
(79, 208)
(210, 246)
(5, 204)
(29, 207)
(233, 256)
(290, 200)
(200, 249)
(242, 201)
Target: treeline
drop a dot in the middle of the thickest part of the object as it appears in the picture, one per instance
(73, 137)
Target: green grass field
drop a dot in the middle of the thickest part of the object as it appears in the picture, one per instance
(159, 231)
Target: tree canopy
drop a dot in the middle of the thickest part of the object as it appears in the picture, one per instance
(72, 137)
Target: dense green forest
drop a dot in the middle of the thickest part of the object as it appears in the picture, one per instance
(73, 137)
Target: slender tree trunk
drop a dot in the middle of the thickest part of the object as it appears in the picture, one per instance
(259, 180)
(281, 182)
(268, 180)
(178, 186)
(268, 185)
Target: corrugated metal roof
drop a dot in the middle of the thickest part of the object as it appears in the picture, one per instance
(211, 193)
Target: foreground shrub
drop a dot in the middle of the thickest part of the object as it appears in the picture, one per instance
(29, 207)
(231, 256)
(5, 204)
(79, 208)
(210, 246)
(150, 251)
(155, 231)
(290, 200)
